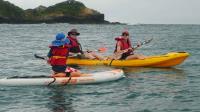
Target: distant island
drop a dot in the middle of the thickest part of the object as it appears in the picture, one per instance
(70, 11)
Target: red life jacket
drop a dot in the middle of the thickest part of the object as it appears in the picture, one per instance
(124, 44)
(58, 55)
(75, 46)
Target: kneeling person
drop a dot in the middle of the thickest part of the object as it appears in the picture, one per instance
(58, 54)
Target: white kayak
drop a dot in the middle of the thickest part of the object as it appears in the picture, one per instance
(96, 77)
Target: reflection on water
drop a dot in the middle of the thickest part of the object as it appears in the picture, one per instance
(171, 73)
(60, 100)
(155, 83)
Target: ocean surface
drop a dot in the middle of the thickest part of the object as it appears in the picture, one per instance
(174, 89)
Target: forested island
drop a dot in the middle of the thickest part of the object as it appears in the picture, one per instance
(70, 11)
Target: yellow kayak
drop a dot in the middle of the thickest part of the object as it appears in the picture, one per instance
(166, 60)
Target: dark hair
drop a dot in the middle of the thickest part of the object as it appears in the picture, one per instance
(125, 33)
(73, 31)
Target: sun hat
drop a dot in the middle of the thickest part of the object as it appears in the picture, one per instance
(60, 40)
(73, 31)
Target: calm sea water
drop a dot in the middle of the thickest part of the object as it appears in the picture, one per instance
(143, 90)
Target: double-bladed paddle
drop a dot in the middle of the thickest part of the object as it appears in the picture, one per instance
(119, 55)
(101, 50)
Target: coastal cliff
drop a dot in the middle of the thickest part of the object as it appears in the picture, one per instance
(70, 11)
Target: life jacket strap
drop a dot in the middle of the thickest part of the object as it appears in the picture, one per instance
(58, 57)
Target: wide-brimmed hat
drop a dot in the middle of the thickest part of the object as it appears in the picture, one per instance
(73, 31)
(60, 40)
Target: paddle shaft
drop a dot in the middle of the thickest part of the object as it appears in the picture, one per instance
(142, 43)
(40, 57)
(45, 58)
(119, 55)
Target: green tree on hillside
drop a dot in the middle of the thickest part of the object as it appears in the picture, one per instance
(9, 10)
(70, 7)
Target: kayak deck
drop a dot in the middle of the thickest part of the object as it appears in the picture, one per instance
(97, 77)
(166, 60)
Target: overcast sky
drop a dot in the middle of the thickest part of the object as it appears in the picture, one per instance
(135, 11)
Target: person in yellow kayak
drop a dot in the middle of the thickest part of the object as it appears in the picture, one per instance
(76, 47)
(57, 58)
(124, 50)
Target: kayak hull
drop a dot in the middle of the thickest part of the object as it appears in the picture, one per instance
(92, 78)
(166, 60)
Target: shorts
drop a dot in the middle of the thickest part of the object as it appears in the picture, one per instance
(124, 56)
(59, 69)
